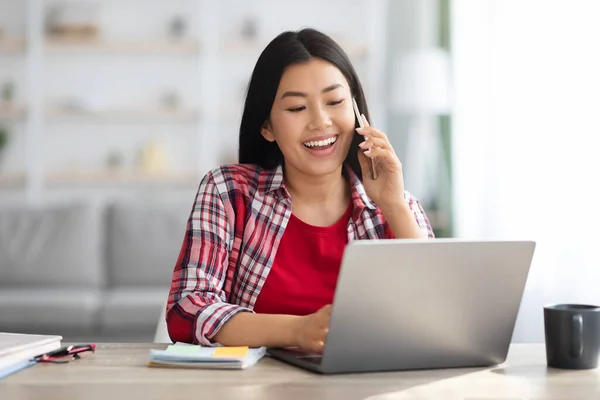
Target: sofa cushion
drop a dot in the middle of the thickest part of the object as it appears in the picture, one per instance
(42, 310)
(50, 246)
(133, 308)
(143, 242)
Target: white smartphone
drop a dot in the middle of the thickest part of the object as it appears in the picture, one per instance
(372, 169)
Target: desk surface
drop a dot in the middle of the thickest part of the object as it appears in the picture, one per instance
(119, 370)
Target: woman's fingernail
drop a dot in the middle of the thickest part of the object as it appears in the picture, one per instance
(368, 152)
(362, 145)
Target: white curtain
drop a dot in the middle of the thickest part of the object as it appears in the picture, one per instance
(526, 135)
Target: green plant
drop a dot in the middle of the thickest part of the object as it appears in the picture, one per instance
(3, 137)
(8, 92)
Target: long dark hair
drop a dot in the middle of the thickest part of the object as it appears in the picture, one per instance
(291, 47)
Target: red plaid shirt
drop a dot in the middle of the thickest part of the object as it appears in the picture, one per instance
(232, 235)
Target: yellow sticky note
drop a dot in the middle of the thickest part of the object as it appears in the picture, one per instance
(231, 351)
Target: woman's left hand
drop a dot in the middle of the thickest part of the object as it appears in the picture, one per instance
(388, 188)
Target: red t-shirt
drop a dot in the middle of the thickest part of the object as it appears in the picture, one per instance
(303, 276)
(304, 273)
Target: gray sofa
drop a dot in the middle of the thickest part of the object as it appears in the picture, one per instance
(81, 269)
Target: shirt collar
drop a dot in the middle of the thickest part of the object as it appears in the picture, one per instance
(360, 199)
(272, 180)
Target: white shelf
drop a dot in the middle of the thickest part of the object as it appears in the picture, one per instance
(256, 47)
(12, 45)
(9, 179)
(121, 177)
(169, 47)
(182, 115)
(71, 46)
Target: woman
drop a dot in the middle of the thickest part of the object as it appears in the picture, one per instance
(264, 242)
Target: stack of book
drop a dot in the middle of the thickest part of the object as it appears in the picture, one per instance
(17, 350)
(182, 355)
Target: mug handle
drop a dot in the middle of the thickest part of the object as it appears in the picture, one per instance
(576, 335)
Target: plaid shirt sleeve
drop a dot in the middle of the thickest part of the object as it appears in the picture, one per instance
(197, 307)
(420, 215)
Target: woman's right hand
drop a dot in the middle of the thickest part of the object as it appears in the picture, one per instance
(312, 330)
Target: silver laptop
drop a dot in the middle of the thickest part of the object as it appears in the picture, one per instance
(421, 304)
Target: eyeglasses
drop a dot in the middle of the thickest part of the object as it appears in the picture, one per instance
(67, 354)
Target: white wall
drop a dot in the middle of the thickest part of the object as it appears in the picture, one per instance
(526, 131)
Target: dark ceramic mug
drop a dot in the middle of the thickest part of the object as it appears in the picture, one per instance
(572, 335)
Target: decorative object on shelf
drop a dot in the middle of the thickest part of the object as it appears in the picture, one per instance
(249, 28)
(114, 161)
(152, 158)
(170, 100)
(73, 20)
(3, 141)
(70, 106)
(177, 27)
(7, 94)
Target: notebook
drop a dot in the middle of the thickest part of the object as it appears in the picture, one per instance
(17, 349)
(11, 369)
(183, 355)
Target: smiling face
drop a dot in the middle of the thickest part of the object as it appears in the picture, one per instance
(312, 119)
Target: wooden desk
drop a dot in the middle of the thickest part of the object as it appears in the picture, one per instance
(118, 371)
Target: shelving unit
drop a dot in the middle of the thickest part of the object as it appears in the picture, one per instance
(80, 99)
(74, 46)
(355, 50)
(121, 177)
(92, 178)
(117, 116)
(65, 77)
